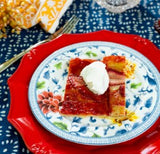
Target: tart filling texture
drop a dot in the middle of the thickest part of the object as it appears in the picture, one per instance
(80, 101)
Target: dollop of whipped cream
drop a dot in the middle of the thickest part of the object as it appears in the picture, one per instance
(96, 77)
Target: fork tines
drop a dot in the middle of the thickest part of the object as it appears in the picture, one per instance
(70, 24)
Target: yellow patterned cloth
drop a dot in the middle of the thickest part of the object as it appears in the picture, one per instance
(50, 12)
(24, 11)
(27, 13)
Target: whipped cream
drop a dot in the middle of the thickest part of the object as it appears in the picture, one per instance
(96, 77)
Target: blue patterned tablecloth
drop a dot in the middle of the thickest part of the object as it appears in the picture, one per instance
(138, 20)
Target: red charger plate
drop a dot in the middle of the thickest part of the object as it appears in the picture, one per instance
(37, 139)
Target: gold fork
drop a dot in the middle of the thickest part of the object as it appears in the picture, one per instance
(67, 28)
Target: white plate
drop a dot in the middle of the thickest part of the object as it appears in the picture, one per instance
(142, 95)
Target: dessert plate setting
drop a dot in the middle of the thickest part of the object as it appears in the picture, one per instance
(142, 99)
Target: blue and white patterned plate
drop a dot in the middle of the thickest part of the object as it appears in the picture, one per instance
(142, 96)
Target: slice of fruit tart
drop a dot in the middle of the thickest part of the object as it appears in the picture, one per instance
(96, 88)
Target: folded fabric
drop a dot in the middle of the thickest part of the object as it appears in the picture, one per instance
(23, 14)
(20, 12)
(50, 13)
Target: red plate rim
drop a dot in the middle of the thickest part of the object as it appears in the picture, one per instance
(40, 140)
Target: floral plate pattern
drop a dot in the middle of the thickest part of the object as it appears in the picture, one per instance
(141, 96)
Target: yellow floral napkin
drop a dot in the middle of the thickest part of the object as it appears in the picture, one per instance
(50, 13)
(24, 11)
(27, 13)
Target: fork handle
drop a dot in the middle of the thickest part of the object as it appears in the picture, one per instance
(9, 62)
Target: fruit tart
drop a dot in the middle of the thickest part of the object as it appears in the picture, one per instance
(79, 100)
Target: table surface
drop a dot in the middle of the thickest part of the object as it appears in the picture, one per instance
(138, 20)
